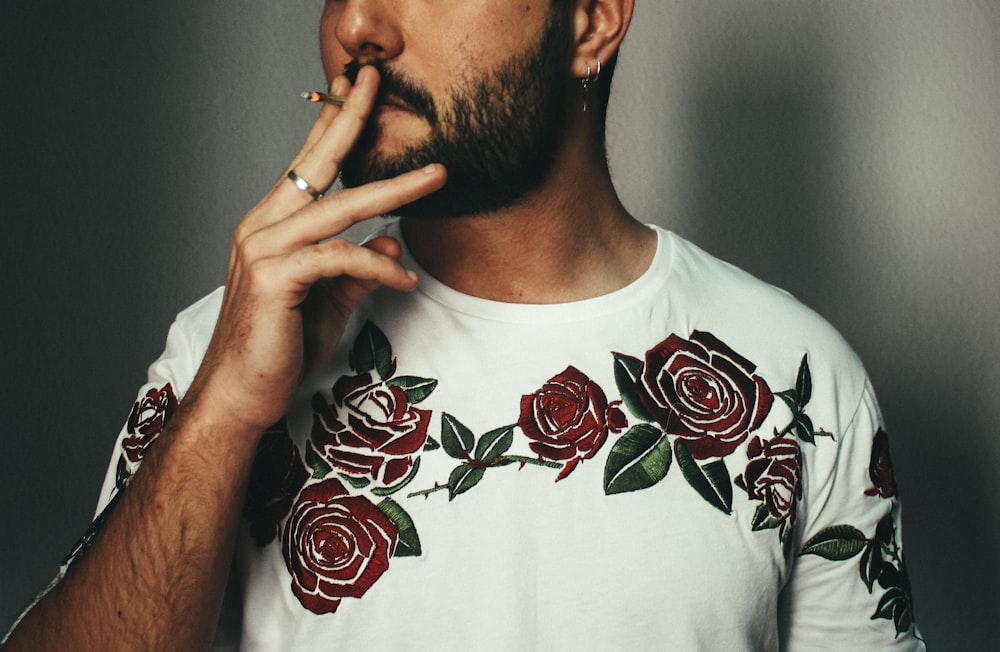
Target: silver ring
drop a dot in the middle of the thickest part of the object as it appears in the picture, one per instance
(302, 184)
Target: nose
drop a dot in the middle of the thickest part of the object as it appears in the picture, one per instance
(369, 29)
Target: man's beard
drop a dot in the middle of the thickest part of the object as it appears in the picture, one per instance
(498, 138)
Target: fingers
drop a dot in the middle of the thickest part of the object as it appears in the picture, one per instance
(322, 161)
(292, 237)
(333, 215)
(288, 279)
(329, 141)
(339, 86)
(386, 246)
(292, 283)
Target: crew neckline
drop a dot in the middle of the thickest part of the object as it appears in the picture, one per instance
(650, 281)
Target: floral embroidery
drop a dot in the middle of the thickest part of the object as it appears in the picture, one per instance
(145, 422)
(147, 418)
(693, 401)
(371, 431)
(568, 419)
(698, 401)
(276, 477)
(882, 561)
(772, 475)
(336, 546)
(704, 393)
(880, 469)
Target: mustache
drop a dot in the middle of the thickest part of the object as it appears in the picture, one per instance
(398, 86)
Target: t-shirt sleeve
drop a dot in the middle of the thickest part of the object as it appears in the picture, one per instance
(849, 588)
(167, 380)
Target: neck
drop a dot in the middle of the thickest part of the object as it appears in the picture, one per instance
(569, 240)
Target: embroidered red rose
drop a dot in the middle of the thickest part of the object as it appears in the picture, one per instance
(370, 431)
(772, 474)
(568, 419)
(146, 420)
(703, 392)
(335, 546)
(880, 469)
(276, 477)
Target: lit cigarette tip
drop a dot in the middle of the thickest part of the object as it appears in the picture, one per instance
(316, 96)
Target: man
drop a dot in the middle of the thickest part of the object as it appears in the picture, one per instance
(568, 430)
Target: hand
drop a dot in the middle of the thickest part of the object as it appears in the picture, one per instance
(291, 284)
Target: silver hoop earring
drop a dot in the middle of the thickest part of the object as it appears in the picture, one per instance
(591, 78)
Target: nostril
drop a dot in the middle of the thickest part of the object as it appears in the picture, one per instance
(369, 50)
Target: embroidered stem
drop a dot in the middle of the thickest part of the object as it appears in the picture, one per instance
(504, 460)
(428, 492)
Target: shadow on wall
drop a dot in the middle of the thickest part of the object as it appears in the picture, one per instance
(761, 170)
(765, 195)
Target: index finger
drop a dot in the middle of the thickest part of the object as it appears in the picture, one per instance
(328, 143)
(321, 162)
(339, 86)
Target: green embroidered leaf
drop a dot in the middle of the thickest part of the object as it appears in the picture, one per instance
(894, 606)
(885, 605)
(456, 438)
(416, 389)
(762, 519)
(902, 616)
(357, 483)
(891, 577)
(627, 373)
(791, 399)
(463, 478)
(885, 531)
(372, 352)
(786, 542)
(494, 444)
(431, 444)
(872, 564)
(803, 384)
(836, 543)
(711, 480)
(902, 619)
(638, 460)
(408, 544)
(803, 428)
(319, 466)
(388, 491)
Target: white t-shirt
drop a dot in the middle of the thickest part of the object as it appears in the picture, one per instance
(693, 462)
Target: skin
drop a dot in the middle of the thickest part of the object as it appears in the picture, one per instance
(155, 576)
(571, 239)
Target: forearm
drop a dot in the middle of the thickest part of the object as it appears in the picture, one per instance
(155, 575)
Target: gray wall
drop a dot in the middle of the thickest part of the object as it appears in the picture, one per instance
(848, 151)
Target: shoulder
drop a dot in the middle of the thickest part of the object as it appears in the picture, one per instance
(193, 326)
(765, 324)
(187, 341)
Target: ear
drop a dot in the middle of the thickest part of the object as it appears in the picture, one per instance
(599, 27)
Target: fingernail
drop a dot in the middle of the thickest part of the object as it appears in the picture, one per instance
(412, 275)
(430, 169)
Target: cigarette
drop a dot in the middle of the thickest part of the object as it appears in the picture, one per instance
(326, 98)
